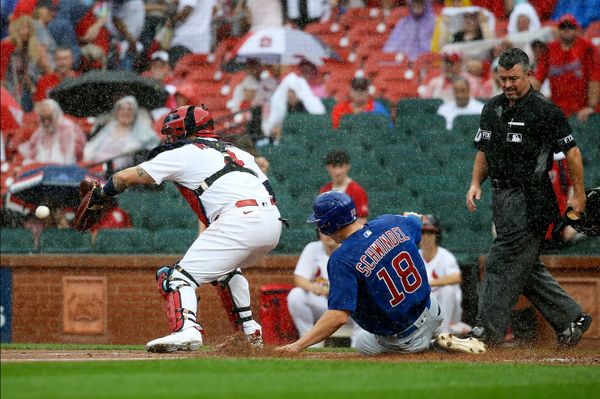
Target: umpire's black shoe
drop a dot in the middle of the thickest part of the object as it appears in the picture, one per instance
(572, 335)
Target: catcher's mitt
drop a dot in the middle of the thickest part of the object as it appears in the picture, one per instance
(93, 205)
(589, 222)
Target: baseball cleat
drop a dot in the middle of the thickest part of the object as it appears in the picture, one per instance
(572, 335)
(189, 339)
(454, 344)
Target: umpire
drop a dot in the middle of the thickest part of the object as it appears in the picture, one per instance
(518, 134)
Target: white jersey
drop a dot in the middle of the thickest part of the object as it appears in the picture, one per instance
(442, 264)
(312, 263)
(190, 165)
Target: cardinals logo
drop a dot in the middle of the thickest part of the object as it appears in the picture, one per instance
(266, 41)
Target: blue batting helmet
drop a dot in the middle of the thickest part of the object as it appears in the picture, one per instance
(332, 211)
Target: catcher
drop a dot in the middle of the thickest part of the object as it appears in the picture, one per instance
(229, 193)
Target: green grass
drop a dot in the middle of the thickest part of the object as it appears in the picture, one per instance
(294, 378)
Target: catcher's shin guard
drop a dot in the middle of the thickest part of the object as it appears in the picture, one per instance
(235, 295)
(178, 288)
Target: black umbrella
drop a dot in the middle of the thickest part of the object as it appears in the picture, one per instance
(95, 92)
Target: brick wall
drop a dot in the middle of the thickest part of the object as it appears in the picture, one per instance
(111, 300)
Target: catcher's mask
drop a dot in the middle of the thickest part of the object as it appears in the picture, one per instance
(332, 211)
(188, 120)
(589, 222)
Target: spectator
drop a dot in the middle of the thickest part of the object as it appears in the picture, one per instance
(293, 95)
(92, 57)
(475, 27)
(338, 166)
(441, 86)
(360, 102)
(493, 85)
(92, 27)
(44, 13)
(264, 84)
(265, 14)
(129, 131)
(584, 11)
(63, 68)
(157, 12)
(160, 69)
(62, 27)
(57, 139)
(126, 25)
(444, 276)
(463, 103)
(310, 72)
(193, 25)
(523, 18)
(572, 65)
(302, 13)
(412, 35)
(23, 61)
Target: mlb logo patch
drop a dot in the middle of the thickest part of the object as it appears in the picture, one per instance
(482, 135)
(514, 137)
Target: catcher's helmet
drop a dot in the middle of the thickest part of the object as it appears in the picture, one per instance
(432, 224)
(187, 120)
(589, 222)
(332, 211)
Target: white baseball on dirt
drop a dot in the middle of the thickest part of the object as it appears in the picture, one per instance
(42, 212)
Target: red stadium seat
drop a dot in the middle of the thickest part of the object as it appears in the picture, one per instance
(379, 61)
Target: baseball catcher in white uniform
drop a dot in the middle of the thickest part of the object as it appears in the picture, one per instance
(230, 195)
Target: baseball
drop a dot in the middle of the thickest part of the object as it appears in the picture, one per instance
(42, 212)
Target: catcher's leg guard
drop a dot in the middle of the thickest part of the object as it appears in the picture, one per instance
(178, 288)
(235, 294)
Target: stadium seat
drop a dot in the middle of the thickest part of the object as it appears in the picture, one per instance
(16, 241)
(124, 241)
(174, 240)
(65, 241)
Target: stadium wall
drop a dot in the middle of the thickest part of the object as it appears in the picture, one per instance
(113, 299)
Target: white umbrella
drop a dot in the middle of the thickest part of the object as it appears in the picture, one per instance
(283, 46)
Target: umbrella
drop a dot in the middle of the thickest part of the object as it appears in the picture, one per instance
(11, 113)
(96, 91)
(283, 46)
(51, 185)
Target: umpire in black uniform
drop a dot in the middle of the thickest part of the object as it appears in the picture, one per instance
(519, 132)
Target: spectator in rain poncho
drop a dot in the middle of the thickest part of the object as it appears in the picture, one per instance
(293, 95)
(412, 35)
(56, 140)
(129, 131)
(523, 18)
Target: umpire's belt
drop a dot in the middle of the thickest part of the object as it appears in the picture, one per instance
(502, 184)
(420, 320)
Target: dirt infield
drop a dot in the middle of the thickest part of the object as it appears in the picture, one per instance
(583, 355)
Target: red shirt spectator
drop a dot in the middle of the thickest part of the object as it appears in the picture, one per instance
(359, 103)
(573, 66)
(338, 166)
(63, 59)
